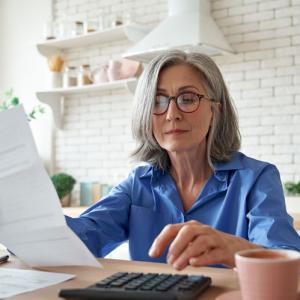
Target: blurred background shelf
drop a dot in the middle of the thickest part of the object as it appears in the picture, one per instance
(133, 32)
(55, 97)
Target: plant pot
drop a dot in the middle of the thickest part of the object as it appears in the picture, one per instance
(66, 200)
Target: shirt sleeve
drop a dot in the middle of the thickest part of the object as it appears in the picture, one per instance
(269, 223)
(104, 226)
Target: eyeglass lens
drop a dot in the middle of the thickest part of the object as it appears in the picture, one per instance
(186, 102)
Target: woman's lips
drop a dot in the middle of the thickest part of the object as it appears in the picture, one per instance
(176, 131)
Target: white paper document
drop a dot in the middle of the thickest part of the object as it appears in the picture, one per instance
(32, 224)
(14, 281)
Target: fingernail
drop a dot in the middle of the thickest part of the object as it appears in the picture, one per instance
(177, 266)
(170, 259)
(153, 252)
(192, 261)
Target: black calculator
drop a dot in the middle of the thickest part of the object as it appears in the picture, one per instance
(144, 286)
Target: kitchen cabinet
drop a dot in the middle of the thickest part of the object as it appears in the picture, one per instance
(55, 97)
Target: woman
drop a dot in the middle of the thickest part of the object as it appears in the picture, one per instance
(198, 200)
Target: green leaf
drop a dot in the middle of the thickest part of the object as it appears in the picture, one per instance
(63, 183)
(15, 101)
(292, 188)
(11, 100)
(9, 93)
(32, 115)
(298, 187)
(42, 109)
(3, 106)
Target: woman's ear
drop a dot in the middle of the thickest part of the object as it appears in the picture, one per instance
(215, 108)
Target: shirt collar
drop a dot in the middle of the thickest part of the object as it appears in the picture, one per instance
(235, 163)
(151, 171)
(220, 168)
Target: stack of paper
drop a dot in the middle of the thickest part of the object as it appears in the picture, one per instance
(14, 281)
(32, 225)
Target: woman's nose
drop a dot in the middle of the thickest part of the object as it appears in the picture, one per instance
(173, 113)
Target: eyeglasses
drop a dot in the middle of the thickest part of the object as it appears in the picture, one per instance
(187, 102)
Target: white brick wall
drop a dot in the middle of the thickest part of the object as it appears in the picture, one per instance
(268, 86)
(263, 78)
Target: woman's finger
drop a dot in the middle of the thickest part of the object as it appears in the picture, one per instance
(185, 236)
(164, 239)
(210, 257)
(201, 244)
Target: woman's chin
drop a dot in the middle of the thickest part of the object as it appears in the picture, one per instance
(175, 148)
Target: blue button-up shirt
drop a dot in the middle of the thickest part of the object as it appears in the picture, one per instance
(243, 197)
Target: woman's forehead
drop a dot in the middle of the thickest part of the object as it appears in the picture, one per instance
(178, 76)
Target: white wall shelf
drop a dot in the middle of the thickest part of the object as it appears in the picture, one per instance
(132, 32)
(55, 97)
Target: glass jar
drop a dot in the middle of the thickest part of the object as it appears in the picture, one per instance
(64, 29)
(50, 30)
(84, 75)
(116, 21)
(77, 28)
(70, 77)
(127, 18)
(90, 26)
(101, 25)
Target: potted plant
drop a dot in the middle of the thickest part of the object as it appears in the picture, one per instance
(292, 188)
(63, 184)
(10, 100)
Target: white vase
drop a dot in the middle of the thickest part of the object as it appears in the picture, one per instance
(56, 80)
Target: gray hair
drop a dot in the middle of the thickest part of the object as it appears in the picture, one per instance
(223, 138)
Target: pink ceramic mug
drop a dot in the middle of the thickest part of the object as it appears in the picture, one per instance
(113, 72)
(99, 75)
(266, 274)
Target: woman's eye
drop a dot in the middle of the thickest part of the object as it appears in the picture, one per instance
(161, 100)
(187, 98)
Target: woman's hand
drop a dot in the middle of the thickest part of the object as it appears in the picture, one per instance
(198, 245)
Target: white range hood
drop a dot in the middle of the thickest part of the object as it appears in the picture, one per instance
(189, 27)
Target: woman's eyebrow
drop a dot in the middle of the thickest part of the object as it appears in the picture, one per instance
(160, 90)
(186, 87)
(180, 89)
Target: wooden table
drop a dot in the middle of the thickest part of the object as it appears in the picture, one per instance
(222, 279)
